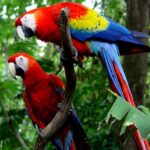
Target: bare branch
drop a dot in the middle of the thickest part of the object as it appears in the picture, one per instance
(17, 135)
(13, 129)
(67, 59)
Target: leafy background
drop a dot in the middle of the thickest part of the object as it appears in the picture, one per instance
(91, 98)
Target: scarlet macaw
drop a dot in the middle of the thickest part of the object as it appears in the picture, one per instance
(43, 92)
(92, 35)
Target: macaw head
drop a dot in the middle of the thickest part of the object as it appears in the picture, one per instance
(36, 22)
(21, 64)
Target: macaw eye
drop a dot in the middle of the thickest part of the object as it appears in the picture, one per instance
(22, 62)
(25, 18)
(28, 22)
(21, 59)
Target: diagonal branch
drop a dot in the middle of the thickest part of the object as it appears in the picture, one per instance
(13, 129)
(67, 59)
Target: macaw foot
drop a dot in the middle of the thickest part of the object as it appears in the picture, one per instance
(78, 63)
(77, 60)
(61, 106)
(39, 131)
(75, 54)
(60, 67)
(42, 132)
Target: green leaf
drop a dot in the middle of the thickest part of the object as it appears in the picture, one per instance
(122, 110)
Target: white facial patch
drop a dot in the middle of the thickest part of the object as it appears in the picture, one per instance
(20, 33)
(29, 21)
(22, 62)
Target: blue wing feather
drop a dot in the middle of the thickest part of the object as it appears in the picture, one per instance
(115, 26)
(113, 33)
(110, 54)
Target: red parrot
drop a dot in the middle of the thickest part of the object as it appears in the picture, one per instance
(92, 35)
(43, 92)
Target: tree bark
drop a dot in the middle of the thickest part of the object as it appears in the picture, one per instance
(67, 56)
(135, 66)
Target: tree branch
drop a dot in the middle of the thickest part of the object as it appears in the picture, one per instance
(13, 129)
(67, 59)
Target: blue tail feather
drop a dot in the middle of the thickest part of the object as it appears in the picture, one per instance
(137, 34)
(109, 54)
(58, 143)
(68, 140)
(72, 135)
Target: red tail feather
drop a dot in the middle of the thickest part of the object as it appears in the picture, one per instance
(143, 144)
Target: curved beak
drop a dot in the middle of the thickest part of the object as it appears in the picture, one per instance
(12, 69)
(24, 32)
(15, 70)
(20, 33)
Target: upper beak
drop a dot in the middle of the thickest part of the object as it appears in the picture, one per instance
(12, 69)
(24, 32)
(20, 32)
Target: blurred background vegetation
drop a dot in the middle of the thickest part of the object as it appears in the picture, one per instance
(90, 98)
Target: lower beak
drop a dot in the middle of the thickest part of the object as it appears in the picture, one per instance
(24, 32)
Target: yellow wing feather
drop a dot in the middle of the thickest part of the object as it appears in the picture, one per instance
(92, 21)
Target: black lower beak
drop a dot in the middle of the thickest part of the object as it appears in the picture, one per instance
(19, 71)
(27, 31)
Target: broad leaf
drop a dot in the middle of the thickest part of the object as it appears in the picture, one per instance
(122, 110)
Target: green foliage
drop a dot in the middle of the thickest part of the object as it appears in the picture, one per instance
(122, 110)
(90, 98)
(115, 9)
(92, 103)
